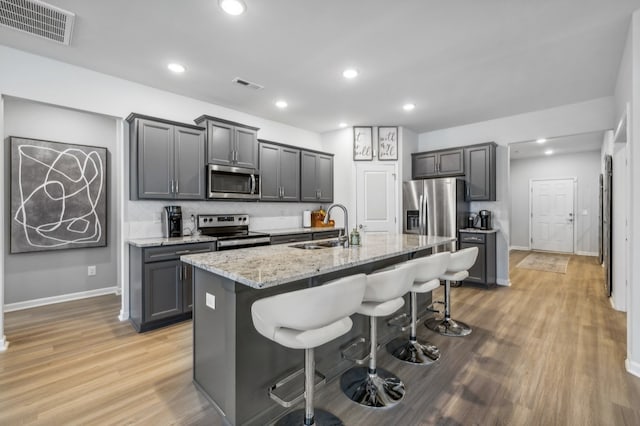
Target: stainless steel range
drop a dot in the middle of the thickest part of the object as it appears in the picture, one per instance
(231, 230)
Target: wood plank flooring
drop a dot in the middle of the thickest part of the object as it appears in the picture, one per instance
(549, 350)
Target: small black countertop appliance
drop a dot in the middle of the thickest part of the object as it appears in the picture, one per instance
(485, 219)
(172, 221)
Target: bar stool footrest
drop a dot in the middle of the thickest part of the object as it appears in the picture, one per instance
(402, 322)
(357, 350)
(284, 388)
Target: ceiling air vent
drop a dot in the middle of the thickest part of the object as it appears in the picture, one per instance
(248, 84)
(37, 18)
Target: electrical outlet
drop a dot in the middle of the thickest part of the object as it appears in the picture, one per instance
(91, 271)
(211, 300)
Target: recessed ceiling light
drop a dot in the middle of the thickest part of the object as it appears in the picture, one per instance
(177, 68)
(408, 107)
(281, 104)
(350, 73)
(233, 7)
(541, 140)
(548, 152)
(342, 125)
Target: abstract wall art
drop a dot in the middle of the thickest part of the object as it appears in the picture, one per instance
(58, 196)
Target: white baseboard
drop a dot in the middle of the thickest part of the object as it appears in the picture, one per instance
(587, 253)
(9, 307)
(123, 315)
(519, 248)
(506, 283)
(3, 344)
(632, 367)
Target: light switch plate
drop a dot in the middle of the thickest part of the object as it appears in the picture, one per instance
(211, 300)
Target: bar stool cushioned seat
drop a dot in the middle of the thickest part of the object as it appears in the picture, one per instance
(427, 271)
(375, 387)
(457, 270)
(306, 319)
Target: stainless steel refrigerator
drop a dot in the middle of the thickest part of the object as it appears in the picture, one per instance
(435, 207)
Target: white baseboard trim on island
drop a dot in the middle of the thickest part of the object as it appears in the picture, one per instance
(17, 306)
(632, 367)
(519, 248)
(503, 282)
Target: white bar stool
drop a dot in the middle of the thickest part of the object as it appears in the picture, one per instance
(427, 271)
(457, 270)
(306, 319)
(375, 387)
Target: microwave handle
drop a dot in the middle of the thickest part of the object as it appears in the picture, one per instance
(253, 184)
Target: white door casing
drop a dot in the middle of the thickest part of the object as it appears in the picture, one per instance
(376, 197)
(552, 218)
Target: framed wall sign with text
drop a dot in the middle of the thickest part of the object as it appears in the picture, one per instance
(387, 143)
(363, 143)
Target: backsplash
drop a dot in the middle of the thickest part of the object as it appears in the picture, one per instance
(143, 217)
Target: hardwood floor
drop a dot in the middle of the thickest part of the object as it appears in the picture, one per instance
(548, 350)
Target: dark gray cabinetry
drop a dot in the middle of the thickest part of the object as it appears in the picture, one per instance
(279, 172)
(441, 163)
(480, 174)
(316, 177)
(484, 270)
(230, 143)
(291, 238)
(160, 285)
(166, 159)
(321, 235)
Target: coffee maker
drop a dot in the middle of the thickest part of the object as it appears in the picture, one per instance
(485, 219)
(171, 221)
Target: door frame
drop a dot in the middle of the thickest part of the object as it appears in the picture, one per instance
(575, 209)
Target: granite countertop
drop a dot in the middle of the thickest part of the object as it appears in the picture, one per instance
(160, 241)
(478, 231)
(288, 231)
(268, 266)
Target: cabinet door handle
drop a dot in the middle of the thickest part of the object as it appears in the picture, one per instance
(320, 192)
(176, 191)
(468, 192)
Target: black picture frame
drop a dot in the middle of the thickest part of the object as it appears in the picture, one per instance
(388, 143)
(362, 143)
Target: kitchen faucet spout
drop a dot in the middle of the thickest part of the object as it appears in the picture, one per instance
(344, 236)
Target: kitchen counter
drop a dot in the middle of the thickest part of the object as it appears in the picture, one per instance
(478, 231)
(163, 241)
(263, 267)
(288, 231)
(233, 365)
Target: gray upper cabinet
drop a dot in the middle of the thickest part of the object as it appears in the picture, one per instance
(230, 143)
(443, 163)
(166, 159)
(316, 177)
(480, 173)
(279, 172)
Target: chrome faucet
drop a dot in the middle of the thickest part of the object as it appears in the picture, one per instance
(343, 238)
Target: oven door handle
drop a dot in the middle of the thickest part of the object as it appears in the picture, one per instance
(253, 184)
(244, 241)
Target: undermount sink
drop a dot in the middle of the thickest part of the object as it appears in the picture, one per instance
(319, 245)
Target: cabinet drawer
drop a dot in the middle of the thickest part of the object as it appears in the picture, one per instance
(468, 237)
(291, 238)
(326, 234)
(157, 254)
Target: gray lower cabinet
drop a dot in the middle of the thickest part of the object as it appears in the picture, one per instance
(166, 159)
(160, 285)
(321, 235)
(316, 177)
(230, 143)
(483, 270)
(480, 172)
(291, 238)
(279, 172)
(440, 163)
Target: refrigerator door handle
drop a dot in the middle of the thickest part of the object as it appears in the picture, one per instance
(422, 214)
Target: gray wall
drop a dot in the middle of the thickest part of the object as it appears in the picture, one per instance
(584, 166)
(31, 276)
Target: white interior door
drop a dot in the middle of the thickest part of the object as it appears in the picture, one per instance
(552, 215)
(376, 197)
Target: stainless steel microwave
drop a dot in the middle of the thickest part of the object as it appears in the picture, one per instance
(224, 182)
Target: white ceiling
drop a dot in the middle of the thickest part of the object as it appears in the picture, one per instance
(559, 145)
(460, 61)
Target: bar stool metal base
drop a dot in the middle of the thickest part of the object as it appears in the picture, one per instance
(383, 389)
(448, 327)
(321, 417)
(413, 352)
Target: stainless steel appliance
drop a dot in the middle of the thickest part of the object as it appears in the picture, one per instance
(172, 221)
(485, 219)
(232, 183)
(435, 207)
(231, 230)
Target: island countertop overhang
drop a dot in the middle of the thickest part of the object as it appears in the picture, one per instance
(269, 266)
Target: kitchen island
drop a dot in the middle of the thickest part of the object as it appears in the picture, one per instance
(233, 365)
